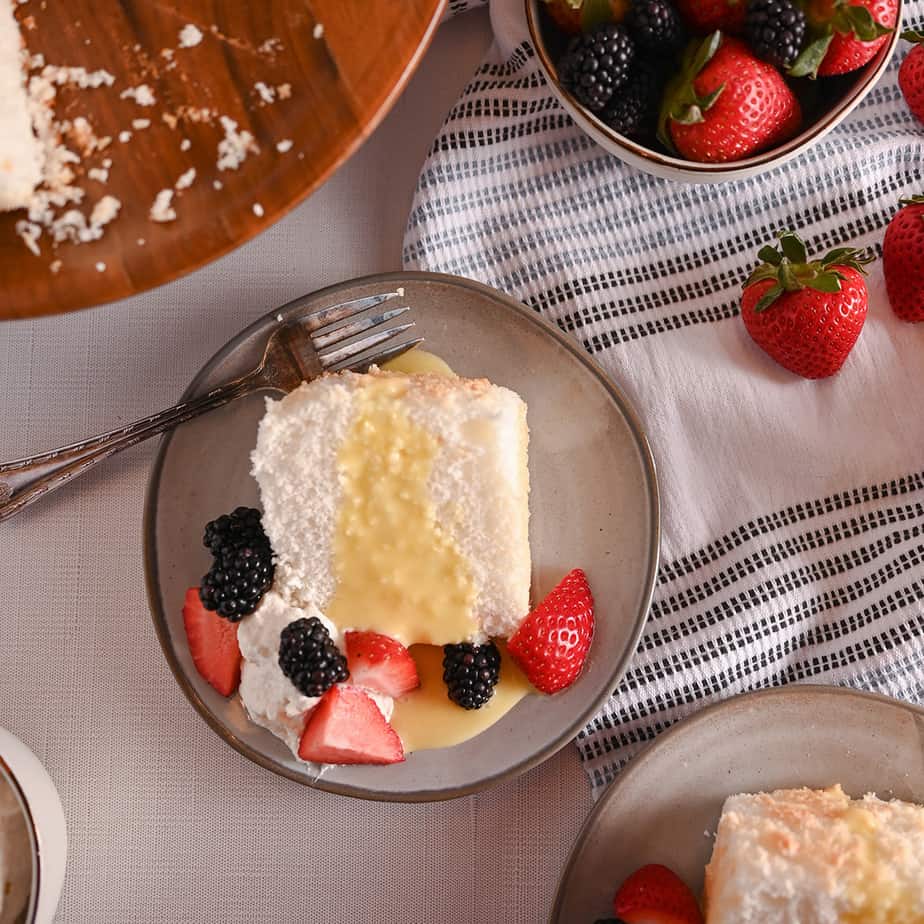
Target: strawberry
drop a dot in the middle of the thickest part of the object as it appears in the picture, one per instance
(346, 727)
(806, 315)
(846, 35)
(380, 663)
(552, 642)
(212, 644)
(903, 260)
(911, 74)
(706, 16)
(656, 895)
(574, 16)
(726, 104)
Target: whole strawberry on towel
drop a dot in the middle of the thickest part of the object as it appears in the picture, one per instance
(726, 104)
(911, 73)
(806, 314)
(903, 260)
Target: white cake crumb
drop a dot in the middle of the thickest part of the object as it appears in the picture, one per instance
(235, 146)
(284, 90)
(257, 209)
(185, 180)
(30, 232)
(271, 46)
(139, 124)
(141, 242)
(400, 291)
(284, 145)
(267, 94)
(318, 30)
(279, 318)
(185, 144)
(190, 35)
(167, 53)
(161, 209)
(125, 136)
(98, 174)
(142, 95)
(100, 267)
(104, 211)
(217, 184)
(79, 76)
(55, 266)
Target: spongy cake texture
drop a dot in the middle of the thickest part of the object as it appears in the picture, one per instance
(803, 856)
(478, 484)
(20, 152)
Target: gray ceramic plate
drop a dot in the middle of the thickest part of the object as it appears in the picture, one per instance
(594, 504)
(665, 806)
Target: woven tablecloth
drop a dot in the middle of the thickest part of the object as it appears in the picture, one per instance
(793, 511)
(167, 824)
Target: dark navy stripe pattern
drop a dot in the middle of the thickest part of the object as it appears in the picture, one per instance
(793, 511)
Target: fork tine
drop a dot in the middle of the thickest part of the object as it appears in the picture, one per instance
(350, 328)
(352, 350)
(315, 320)
(363, 363)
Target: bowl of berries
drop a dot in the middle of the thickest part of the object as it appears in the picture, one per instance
(711, 90)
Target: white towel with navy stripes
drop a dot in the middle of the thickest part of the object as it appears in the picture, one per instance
(793, 511)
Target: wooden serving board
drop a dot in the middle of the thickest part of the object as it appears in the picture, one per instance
(340, 64)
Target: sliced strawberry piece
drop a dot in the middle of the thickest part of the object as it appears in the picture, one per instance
(346, 727)
(212, 644)
(655, 894)
(380, 663)
(552, 642)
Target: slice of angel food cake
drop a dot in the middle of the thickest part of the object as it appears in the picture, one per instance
(380, 603)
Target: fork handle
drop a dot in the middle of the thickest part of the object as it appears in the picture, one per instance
(26, 480)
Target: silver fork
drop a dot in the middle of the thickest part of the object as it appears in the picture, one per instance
(300, 349)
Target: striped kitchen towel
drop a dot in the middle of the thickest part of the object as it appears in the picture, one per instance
(793, 511)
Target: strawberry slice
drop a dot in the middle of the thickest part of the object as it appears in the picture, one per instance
(552, 642)
(212, 644)
(346, 727)
(656, 895)
(380, 663)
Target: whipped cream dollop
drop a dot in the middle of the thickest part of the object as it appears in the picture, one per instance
(270, 698)
(15, 857)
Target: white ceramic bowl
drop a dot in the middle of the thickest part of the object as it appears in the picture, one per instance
(676, 168)
(45, 825)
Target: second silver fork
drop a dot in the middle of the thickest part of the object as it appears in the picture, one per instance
(304, 346)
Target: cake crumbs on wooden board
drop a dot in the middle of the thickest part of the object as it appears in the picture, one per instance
(55, 210)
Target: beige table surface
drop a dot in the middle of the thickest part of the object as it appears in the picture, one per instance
(166, 822)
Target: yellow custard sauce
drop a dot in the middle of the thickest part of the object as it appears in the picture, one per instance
(877, 897)
(427, 718)
(416, 587)
(415, 584)
(416, 361)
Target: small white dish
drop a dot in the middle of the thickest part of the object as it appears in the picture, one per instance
(46, 829)
(677, 168)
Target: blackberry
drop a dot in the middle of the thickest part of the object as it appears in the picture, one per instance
(597, 64)
(656, 26)
(470, 673)
(242, 567)
(309, 658)
(634, 109)
(775, 30)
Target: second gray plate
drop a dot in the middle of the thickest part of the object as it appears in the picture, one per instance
(593, 503)
(665, 806)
